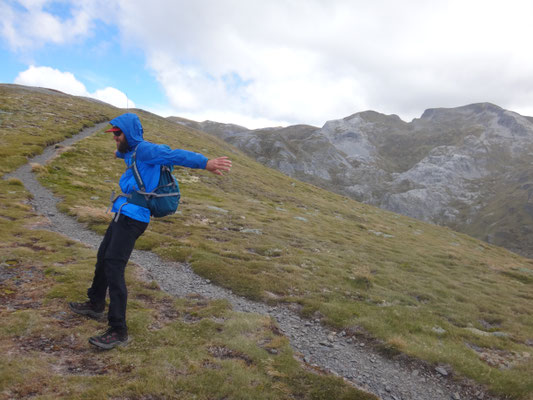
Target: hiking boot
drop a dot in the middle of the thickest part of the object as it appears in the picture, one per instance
(88, 309)
(110, 339)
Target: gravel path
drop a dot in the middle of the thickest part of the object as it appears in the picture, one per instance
(335, 352)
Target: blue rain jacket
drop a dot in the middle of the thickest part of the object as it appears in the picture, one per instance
(149, 158)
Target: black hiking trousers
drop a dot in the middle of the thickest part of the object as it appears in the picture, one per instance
(113, 255)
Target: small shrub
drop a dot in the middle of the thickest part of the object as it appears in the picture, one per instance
(14, 182)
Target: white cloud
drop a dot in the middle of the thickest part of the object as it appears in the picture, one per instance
(307, 61)
(51, 78)
(66, 82)
(113, 96)
(28, 24)
(208, 58)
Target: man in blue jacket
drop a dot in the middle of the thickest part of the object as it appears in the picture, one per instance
(129, 223)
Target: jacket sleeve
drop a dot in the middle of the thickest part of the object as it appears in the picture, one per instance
(152, 153)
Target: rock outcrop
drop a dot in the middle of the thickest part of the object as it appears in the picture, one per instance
(468, 167)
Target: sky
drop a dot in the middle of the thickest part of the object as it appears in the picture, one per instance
(260, 63)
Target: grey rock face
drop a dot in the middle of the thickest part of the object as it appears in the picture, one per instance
(468, 167)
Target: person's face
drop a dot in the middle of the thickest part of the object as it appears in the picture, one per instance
(122, 143)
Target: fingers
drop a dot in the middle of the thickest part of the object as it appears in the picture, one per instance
(218, 165)
(223, 162)
(223, 167)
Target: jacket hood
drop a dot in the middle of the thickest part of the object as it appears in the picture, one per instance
(130, 124)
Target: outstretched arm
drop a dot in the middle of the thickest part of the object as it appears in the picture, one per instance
(218, 165)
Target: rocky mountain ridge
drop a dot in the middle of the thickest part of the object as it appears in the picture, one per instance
(466, 167)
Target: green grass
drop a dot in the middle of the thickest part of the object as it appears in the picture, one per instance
(30, 121)
(507, 218)
(188, 348)
(353, 266)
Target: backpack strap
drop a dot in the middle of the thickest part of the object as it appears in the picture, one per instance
(136, 174)
(112, 201)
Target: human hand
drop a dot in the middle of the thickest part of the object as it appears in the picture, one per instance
(218, 165)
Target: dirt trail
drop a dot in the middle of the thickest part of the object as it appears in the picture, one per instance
(339, 353)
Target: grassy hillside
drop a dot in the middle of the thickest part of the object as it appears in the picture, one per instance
(420, 289)
(182, 348)
(31, 119)
(507, 219)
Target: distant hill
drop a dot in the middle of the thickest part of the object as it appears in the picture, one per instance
(468, 168)
(216, 128)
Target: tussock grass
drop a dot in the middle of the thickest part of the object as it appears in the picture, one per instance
(182, 348)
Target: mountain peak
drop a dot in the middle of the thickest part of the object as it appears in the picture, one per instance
(373, 116)
(475, 108)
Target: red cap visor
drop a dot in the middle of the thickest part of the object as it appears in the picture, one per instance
(114, 129)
